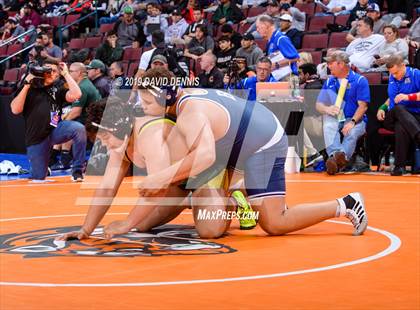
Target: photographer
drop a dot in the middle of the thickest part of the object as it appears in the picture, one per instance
(40, 99)
(250, 83)
(237, 71)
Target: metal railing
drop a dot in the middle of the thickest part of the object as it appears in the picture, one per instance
(61, 27)
(10, 40)
(17, 53)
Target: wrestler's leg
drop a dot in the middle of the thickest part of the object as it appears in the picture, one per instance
(209, 206)
(166, 209)
(276, 219)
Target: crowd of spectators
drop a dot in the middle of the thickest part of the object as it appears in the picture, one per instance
(224, 47)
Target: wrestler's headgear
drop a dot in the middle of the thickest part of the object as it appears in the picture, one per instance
(111, 115)
(165, 95)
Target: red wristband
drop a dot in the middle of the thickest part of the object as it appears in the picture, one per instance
(412, 97)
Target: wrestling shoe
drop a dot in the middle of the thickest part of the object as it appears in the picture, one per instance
(77, 176)
(244, 211)
(356, 212)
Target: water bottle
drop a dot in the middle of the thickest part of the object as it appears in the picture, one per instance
(416, 167)
(294, 85)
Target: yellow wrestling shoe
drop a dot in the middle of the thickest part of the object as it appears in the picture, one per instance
(244, 211)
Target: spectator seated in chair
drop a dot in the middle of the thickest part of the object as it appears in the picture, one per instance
(403, 113)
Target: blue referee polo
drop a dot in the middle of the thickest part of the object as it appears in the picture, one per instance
(357, 90)
(409, 84)
(281, 42)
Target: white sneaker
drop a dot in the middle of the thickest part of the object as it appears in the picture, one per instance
(356, 212)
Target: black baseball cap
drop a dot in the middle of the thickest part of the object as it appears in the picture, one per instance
(248, 37)
(285, 6)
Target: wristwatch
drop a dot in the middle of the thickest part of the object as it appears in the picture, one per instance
(354, 121)
(25, 82)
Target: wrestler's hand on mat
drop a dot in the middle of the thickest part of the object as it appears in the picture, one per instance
(73, 235)
(116, 228)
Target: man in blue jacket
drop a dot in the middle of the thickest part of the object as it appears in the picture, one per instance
(403, 113)
(347, 119)
(280, 49)
(250, 83)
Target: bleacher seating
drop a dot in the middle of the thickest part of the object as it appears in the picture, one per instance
(104, 28)
(132, 68)
(10, 78)
(76, 44)
(338, 40)
(315, 41)
(132, 54)
(307, 8)
(319, 23)
(93, 42)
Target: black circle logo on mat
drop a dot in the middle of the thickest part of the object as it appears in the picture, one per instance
(161, 241)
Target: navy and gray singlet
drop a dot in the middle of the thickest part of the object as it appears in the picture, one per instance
(256, 136)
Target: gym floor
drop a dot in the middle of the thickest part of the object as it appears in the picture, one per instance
(321, 267)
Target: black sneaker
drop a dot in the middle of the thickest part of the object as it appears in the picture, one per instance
(313, 159)
(77, 176)
(356, 212)
(398, 171)
(57, 166)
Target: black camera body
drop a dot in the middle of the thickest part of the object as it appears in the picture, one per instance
(39, 73)
(39, 48)
(233, 68)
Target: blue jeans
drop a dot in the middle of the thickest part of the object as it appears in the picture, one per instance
(39, 154)
(332, 129)
(344, 12)
(108, 19)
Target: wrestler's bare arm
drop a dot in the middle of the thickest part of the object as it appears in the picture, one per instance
(196, 129)
(102, 199)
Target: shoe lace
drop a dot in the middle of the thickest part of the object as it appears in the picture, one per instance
(353, 219)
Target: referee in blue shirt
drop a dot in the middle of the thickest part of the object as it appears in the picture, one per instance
(403, 113)
(277, 43)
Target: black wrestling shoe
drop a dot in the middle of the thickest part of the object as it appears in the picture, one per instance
(77, 176)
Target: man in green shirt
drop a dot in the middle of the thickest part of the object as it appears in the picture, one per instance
(76, 112)
(89, 93)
